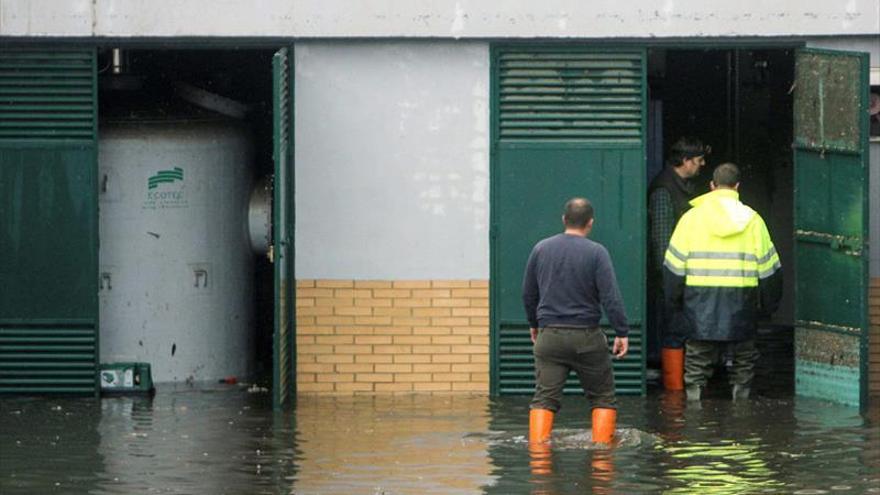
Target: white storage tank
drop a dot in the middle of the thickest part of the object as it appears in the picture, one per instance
(176, 269)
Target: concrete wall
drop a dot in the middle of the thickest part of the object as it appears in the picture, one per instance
(437, 18)
(392, 160)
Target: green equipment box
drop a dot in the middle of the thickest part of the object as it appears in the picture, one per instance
(126, 378)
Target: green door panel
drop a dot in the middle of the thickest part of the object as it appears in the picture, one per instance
(831, 219)
(284, 352)
(566, 122)
(48, 222)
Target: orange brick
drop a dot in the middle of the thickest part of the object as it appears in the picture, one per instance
(450, 284)
(314, 311)
(484, 312)
(391, 293)
(372, 284)
(432, 387)
(354, 387)
(335, 284)
(480, 377)
(412, 284)
(394, 368)
(314, 349)
(468, 368)
(304, 284)
(313, 368)
(354, 311)
(411, 322)
(355, 293)
(402, 330)
(314, 293)
(334, 358)
(334, 339)
(481, 340)
(304, 302)
(430, 349)
(469, 293)
(449, 322)
(412, 358)
(372, 320)
(305, 339)
(431, 368)
(392, 349)
(374, 377)
(373, 339)
(449, 377)
(480, 303)
(470, 331)
(431, 293)
(412, 339)
(431, 330)
(470, 387)
(315, 330)
(432, 312)
(335, 301)
(480, 358)
(413, 377)
(452, 303)
(374, 358)
(480, 322)
(394, 387)
(392, 311)
(450, 358)
(335, 377)
(354, 330)
(335, 320)
(450, 339)
(354, 368)
(353, 349)
(305, 320)
(305, 377)
(305, 359)
(412, 302)
(480, 283)
(373, 303)
(469, 349)
(314, 387)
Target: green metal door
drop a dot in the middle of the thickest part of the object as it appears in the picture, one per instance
(565, 122)
(48, 222)
(284, 355)
(831, 225)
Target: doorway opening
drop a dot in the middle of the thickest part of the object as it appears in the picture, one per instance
(185, 206)
(739, 102)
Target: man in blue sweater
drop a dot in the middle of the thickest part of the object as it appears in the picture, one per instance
(568, 280)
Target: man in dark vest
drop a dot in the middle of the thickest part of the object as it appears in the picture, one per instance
(668, 198)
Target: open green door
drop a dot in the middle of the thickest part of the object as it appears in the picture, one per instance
(284, 352)
(831, 225)
(565, 122)
(48, 222)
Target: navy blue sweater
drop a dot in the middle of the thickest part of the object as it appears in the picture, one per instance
(568, 280)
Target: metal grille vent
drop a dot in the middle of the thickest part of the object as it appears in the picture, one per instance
(562, 95)
(37, 359)
(47, 95)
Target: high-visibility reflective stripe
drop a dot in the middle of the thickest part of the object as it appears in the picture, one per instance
(695, 281)
(767, 256)
(721, 255)
(674, 269)
(770, 271)
(675, 252)
(716, 272)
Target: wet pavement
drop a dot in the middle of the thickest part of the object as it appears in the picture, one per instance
(221, 439)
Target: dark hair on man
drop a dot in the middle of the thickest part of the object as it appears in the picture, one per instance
(578, 213)
(726, 175)
(685, 149)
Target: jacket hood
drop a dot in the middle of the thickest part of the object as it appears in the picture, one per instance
(726, 215)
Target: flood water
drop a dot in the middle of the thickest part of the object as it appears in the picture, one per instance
(221, 439)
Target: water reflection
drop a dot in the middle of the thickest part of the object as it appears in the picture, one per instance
(221, 439)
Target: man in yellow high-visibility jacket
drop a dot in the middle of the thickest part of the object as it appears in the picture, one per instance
(722, 270)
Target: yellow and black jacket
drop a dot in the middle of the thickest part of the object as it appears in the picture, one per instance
(721, 268)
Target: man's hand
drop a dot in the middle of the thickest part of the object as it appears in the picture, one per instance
(534, 332)
(621, 345)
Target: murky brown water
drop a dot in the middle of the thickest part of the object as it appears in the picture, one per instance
(221, 439)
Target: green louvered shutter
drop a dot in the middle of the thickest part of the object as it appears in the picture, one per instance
(565, 122)
(48, 222)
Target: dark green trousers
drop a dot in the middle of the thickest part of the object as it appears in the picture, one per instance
(702, 355)
(558, 351)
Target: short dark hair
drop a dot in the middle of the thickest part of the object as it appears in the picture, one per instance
(685, 149)
(726, 175)
(578, 213)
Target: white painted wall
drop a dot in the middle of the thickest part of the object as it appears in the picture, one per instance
(438, 18)
(392, 160)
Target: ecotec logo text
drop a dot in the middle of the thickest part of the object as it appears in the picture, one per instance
(171, 194)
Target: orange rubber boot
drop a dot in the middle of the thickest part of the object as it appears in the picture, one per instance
(540, 425)
(673, 368)
(604, 422)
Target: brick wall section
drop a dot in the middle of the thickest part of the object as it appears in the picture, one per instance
(380, 337)
(874, 338)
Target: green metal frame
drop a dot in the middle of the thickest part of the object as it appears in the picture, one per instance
(494, 133)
